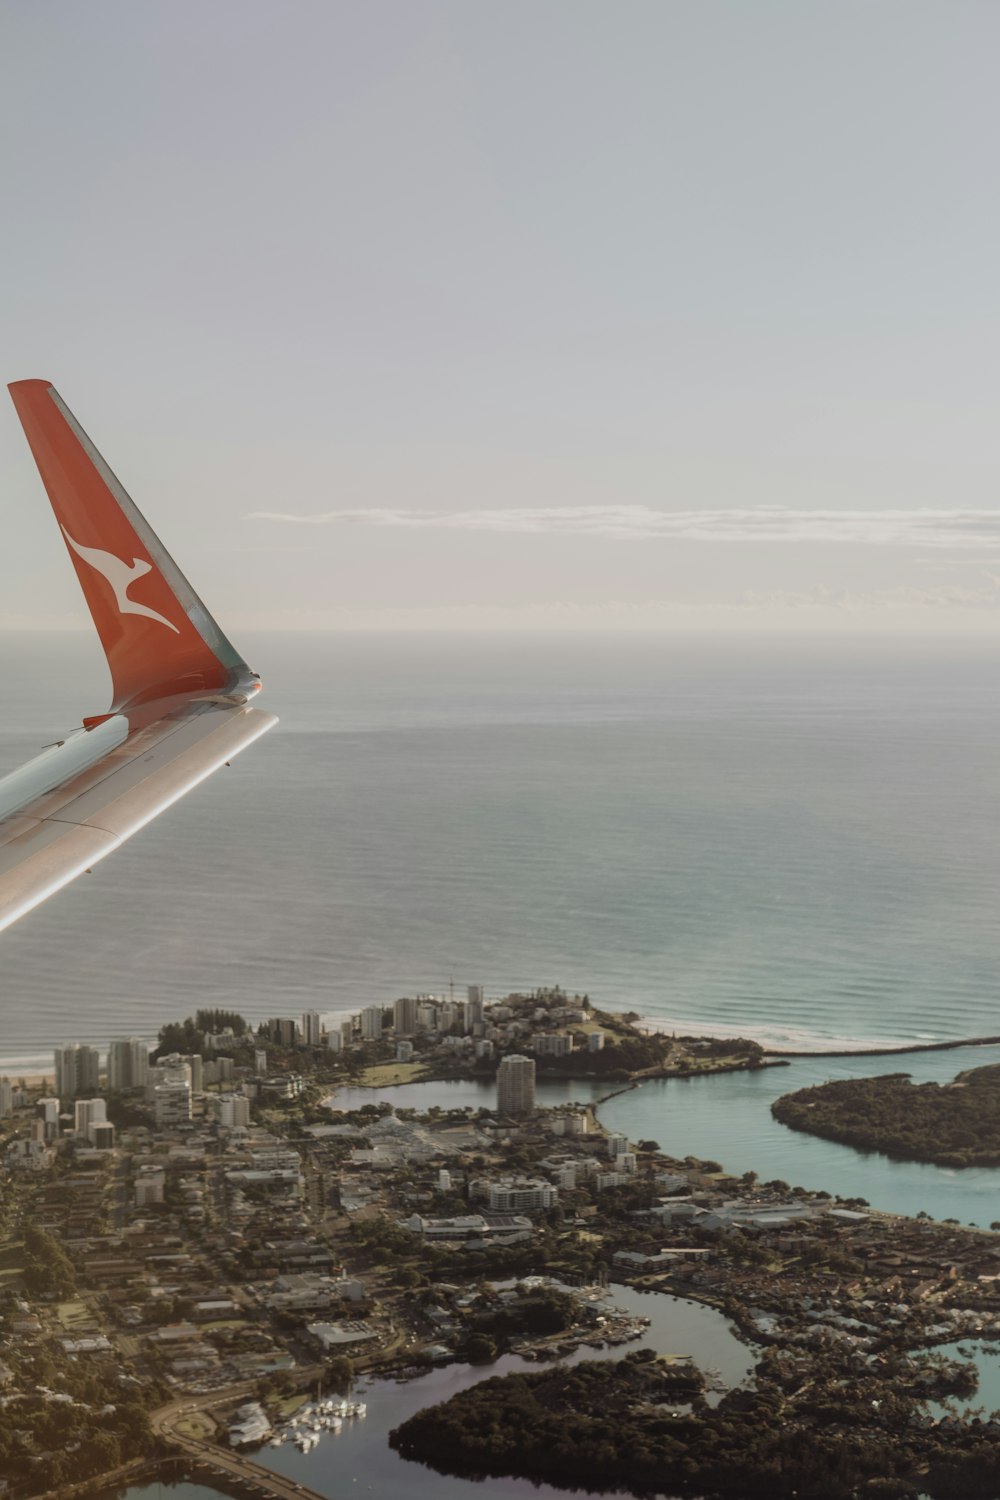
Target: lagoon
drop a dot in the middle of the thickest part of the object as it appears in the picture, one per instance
(727, 1118)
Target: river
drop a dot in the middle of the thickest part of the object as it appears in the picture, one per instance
(725, 1117)
(358, 1460)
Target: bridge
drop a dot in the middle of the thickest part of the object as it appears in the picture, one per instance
(226, 1467)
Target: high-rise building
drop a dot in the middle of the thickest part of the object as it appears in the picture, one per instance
(197, 1065)
(77, 1070)
(88, 1112)
(172, 1103)
(281, 1031)
(171, 1069)
(516, 1085)
(404, 1016)
(335, 1040)
(6, 1099)
(312, 1030)
(260, 1062)
(371, 1023)
(473, 1010)
(232, 1110)
(128, 1063)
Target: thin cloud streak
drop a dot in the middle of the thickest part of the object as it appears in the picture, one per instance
(896, 528)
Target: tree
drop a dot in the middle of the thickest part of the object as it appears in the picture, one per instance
(340, 1373)
(49, 1270)
(480, 1349)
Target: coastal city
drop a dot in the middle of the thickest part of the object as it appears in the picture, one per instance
(206, 1250)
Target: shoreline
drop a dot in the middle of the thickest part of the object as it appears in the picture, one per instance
(771, 1057)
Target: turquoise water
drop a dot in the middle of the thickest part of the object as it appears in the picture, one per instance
(727, 1118)
(986, 1358)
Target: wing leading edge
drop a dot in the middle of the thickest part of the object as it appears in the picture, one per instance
(180, 690)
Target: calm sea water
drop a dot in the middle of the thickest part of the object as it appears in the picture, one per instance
(793, 840)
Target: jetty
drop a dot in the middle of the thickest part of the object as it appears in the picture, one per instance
(896, 1049)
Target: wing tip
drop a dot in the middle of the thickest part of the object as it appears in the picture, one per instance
(23, 385)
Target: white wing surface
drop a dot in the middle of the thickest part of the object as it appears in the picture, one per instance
(180, 691)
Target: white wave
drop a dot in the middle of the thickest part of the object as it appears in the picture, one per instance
(779, 1037)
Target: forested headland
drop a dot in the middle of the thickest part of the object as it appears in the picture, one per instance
(640, 1426)
(952, 1125)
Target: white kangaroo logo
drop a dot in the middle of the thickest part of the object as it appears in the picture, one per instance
(121, 577)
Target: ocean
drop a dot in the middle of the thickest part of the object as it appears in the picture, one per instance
(786, 838)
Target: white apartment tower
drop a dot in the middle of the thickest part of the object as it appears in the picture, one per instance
(128, 1063)
(172, 1069)
(77, 1070)
(172, 1103)
(371, 1023)
(516, 1085)
(88, 1112)
(232, 1110)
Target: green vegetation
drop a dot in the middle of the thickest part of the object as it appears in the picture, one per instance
(46, 1442)
(614, 1425)
(189, 1035)
(543, 1310)
(48, 1270)
(951, 1125)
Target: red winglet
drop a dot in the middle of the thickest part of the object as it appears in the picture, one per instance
(158, 636)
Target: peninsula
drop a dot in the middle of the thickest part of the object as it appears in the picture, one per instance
(951, 1125)
(193, 1239)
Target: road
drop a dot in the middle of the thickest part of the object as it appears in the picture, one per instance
(255, 1479)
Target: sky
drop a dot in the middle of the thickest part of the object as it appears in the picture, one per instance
(515, 314)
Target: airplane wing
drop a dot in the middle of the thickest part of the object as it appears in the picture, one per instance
(180, 690)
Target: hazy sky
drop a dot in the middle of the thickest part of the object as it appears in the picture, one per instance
(515, 312)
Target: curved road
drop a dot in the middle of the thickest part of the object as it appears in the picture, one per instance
(228, 1461)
